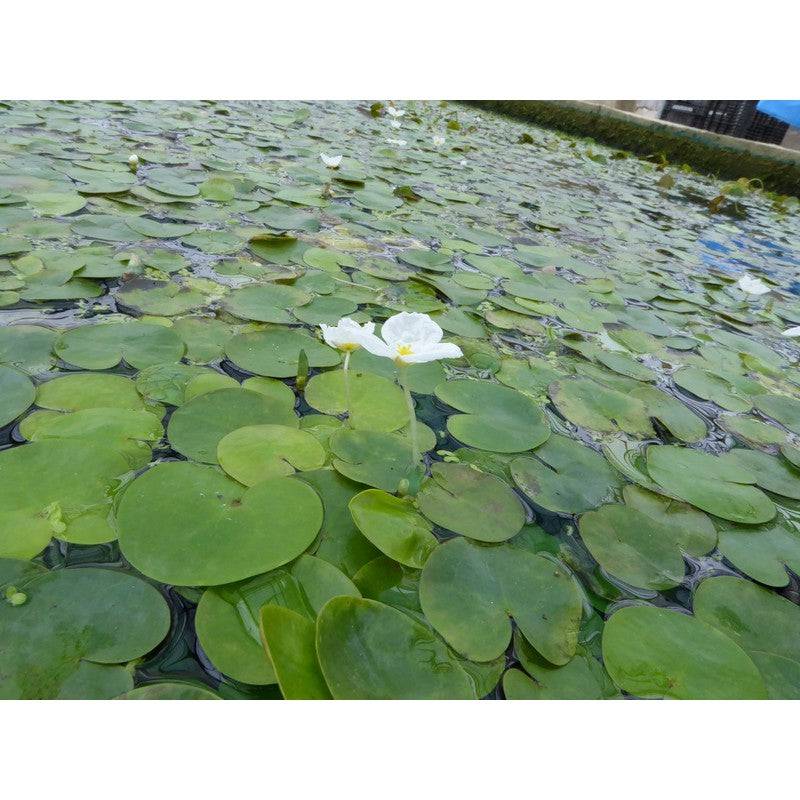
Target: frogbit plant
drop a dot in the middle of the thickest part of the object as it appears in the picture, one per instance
(347, 335)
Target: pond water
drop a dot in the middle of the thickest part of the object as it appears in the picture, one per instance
(609, 494)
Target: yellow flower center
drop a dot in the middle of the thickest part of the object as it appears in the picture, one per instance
(404, 350)
(348, 347)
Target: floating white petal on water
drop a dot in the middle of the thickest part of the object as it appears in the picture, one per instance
(411, 338)
(792, 332)
(395, 123)
(439, 140)
(463, 162)
(751, 285)
(395, 112)
(347, 334)
(332, 162)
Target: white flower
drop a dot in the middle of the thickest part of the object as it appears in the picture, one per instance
(394, 112)
(332, 162)
(751, 285)
(133, 160)
(478, 119)
(411, 338)
(394, 123)
(347, 334)
(397, 142)
(792, 332)
(439, 140)
(463, 162)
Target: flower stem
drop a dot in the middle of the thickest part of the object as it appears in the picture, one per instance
(402, 372)
(347, 385)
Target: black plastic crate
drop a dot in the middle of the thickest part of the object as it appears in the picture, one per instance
(732, 117)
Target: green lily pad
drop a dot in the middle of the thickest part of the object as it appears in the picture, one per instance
(564, 476)
(57, 487)
(712, 484)
(497, 418)
(470, 593)
(175, 384)
(470, 502)
(764, 551)
(656, 652)
(275, 353)
(82, 390)
(16, 394)
(104, 346)
(776, 475)
(60, 644)
(27, 348)
(197, 427)
(371, 651)
(393, 526)
(170, 690)
(599, 408)
(376, 459)
(255, 453)
(190, 525)
(765, 625)
(376, 404)
(290, 642)
(265, 302)
(785, 410)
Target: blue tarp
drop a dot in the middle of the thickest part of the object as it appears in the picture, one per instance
(785, 110)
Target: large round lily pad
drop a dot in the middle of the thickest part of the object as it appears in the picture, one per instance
(656, 652)
(197, 427)
(75, 631)
(191, 525)
(371, 651)
(497, 417)
(564, 476)
(470, 593)
(470, 502)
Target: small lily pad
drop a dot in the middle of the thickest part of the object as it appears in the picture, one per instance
(394, 527)
(470, 593)
(497, 418)
(564, 476)
(254, 453)
(470, 502)
(371, 651)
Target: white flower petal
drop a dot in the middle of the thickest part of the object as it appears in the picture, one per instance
(411, 328)
(433, 352)
(330, 161)
(792, 332)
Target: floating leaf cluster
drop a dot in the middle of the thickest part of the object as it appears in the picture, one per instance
(198, 502)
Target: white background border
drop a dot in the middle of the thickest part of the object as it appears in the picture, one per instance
(408, 49)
